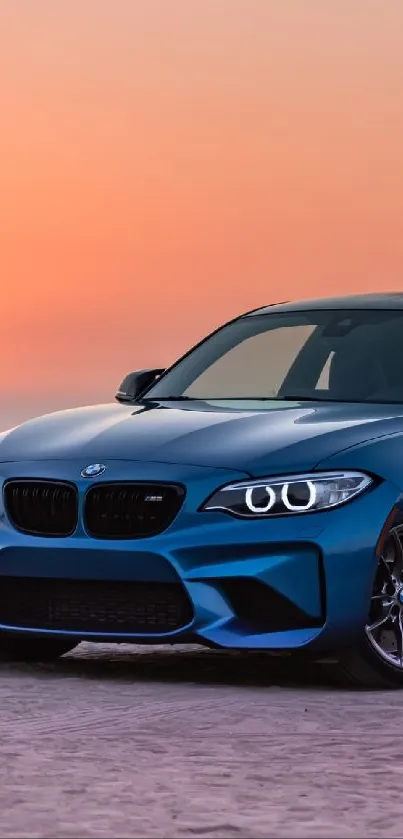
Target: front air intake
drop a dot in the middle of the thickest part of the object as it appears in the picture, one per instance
(94, 606)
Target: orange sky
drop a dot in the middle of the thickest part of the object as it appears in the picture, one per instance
(166, 164)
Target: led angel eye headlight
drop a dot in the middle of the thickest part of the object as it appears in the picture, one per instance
(289, 495)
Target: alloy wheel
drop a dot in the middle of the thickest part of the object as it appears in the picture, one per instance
(385, 623)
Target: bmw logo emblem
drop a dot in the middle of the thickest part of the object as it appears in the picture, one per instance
(93, 471)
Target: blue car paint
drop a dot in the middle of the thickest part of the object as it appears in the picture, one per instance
(204, 446)
(261, 438)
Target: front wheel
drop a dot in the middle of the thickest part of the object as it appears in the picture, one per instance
(378, 661)
(24, 648)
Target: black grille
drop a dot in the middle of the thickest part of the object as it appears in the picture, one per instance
(93, 605)
(131, 510)
(42, 508)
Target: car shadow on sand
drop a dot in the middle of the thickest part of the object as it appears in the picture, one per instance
(195, 665)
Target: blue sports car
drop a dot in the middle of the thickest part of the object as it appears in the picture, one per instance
(249, 497)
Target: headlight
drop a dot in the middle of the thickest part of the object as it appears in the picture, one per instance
(289, 495)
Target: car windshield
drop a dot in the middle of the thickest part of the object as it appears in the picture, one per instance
(344, 356)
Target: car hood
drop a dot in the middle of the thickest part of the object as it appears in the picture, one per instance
(255, 437)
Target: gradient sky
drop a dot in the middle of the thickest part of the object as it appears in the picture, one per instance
(166, 164)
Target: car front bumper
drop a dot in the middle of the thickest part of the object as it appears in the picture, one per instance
(281, 584)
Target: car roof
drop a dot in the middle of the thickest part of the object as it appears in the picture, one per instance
(386, 300)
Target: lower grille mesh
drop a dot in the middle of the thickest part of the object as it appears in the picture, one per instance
(93, 605)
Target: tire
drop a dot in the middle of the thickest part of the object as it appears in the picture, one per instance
(359, 667)
(25, 649)
(377, 661)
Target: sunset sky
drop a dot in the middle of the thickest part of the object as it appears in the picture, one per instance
(166, 164)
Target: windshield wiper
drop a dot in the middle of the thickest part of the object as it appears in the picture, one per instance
(293, 398)
(169, 399)
(287, 398)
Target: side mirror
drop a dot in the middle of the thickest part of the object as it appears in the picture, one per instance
(135, 383)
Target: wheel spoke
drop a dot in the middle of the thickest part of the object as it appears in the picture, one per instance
(383, 619)
(388, 567)
(386, 597)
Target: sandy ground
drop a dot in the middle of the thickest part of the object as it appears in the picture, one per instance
(155, 742)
